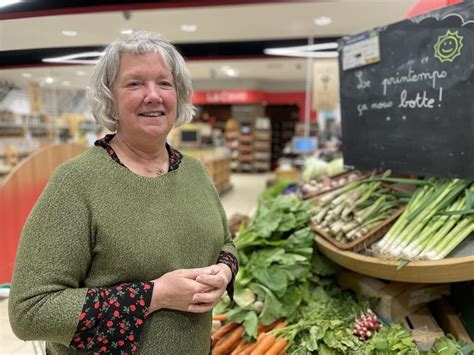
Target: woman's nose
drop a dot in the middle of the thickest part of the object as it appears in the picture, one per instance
(152, 94)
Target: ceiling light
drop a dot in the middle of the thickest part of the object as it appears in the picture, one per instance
(323, 21)
(5, 3)
(309, 51)
(80, 73)
(26, 75)
(66, 83)
(188, 28)
(127, 31)
(232, 73)
(49, 80)
(331, 54)
(68, 33)
(229, 71)
(78, 58)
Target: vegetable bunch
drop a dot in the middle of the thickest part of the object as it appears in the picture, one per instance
(314, 187)
(349, 213)
(391, 339)
(228, 340)
(275, 251)
(323, 323)
(438, 218)
(366, 325)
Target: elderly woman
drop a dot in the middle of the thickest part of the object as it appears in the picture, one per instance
(127, 250)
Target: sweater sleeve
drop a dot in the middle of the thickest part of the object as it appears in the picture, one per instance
(112, 318)
(228, 254)
(47, 295)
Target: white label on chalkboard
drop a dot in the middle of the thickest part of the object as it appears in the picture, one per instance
(360, 51)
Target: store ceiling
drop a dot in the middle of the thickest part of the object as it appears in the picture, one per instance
(244, 27)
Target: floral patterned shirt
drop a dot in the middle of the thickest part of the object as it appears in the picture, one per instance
(112, 318)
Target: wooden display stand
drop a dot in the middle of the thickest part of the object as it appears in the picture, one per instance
(439, 271)
(19, 192)
(218, 164)
(287, 174)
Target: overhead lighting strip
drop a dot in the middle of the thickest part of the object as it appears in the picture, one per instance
(93, 58)
(308, 51)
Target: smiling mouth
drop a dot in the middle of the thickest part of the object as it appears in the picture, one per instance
(152, 114)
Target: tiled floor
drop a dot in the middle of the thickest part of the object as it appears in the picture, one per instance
(241, 198)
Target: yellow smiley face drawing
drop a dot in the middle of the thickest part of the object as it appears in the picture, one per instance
(448, 46)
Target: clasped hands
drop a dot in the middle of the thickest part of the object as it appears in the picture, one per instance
(191, 290)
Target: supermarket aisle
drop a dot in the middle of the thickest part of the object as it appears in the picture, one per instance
(243, 196)
(242, 199)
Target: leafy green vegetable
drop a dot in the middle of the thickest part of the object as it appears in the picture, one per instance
(322, 266)
(323, 321)
(276, 189)
(446, 345)
(391, 339)
(275, 252)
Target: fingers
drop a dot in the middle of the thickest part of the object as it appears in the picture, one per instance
(193, 273)
(208, 297)
(200, 308)
(220, 276)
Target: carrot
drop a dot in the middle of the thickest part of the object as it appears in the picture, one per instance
(280, 324)
(263, 345)
(267, 341)
(230, 342)
(279, 346)
(248, 349)
(222, 331)
(242, 344)
(220, 317)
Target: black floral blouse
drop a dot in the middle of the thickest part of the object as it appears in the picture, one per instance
(112, 318)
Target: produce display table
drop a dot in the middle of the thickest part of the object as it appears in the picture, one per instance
(455, 269)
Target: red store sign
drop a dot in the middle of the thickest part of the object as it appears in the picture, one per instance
(228, 97)
(259, 97)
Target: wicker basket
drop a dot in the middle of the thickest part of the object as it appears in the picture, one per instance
(363, 242)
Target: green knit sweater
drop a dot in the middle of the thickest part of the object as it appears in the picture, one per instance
(98, 224)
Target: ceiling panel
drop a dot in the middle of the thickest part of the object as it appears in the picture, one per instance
(215, 24)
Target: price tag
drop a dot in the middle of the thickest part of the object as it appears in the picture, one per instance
(360, 50)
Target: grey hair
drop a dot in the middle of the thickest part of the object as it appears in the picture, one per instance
(100, 94)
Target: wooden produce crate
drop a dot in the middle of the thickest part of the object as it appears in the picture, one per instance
(449, 320)
(401, 302)
(424, 328)
(362, 243)
(397, 300)
(288, 174)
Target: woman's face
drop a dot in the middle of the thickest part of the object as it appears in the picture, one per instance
(145, 96)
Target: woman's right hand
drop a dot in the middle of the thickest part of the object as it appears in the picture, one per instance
(175, 289)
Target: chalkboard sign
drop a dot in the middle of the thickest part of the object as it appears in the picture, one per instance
(407, 95)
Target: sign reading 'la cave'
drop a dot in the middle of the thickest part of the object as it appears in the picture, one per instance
(407, 95)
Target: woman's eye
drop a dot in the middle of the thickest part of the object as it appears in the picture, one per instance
(133, 84)
(166, 84)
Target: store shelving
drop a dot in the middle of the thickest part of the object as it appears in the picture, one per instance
(232, 135)
(282, 132)
(262, 144)
(246, 152)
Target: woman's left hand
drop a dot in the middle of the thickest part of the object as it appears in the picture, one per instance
(218, 278)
